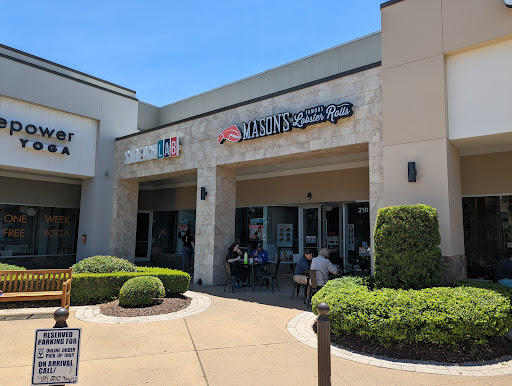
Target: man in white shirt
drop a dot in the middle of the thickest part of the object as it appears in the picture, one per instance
(322, 265)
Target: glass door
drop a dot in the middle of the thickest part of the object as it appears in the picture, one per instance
(333, 232)
(311, 229)
(143, 235)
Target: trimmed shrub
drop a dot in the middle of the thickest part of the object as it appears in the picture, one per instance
(93, 288)
(140, 291)
(439, 315)
(406, 247)
(104, 264)
(11, 267)
(495, 287)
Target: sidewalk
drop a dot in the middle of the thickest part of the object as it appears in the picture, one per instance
(241, 339)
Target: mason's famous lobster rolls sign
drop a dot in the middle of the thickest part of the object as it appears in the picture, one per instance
(284, 122)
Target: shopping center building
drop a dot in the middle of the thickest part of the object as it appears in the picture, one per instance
(300, 156)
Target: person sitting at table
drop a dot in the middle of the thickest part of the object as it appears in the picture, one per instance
(241, 273)
(503, 273)
(261, 260)
(322, 265)
(304, 264)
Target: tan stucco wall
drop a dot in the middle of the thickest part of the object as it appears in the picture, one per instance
(486, 174)
(333, 186)
(417, 36)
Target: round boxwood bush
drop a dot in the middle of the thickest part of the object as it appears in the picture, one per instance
(406, 247)
(11, 267)
(441, 315)
(140, 291)
(103, 264)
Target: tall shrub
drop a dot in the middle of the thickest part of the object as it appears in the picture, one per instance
(406, 248)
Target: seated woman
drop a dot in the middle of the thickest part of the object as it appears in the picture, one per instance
(322, 265)
(503, 273)
(241, 273)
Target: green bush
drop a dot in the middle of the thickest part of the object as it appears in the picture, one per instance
(406, 247)
(11, 267)
(104, 264)
(141, 291)
(498, 288)
(93, 288)
(439, 315)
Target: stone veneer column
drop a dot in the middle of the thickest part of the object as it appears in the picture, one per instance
(124, 219)
(376, 189)
(215, 222)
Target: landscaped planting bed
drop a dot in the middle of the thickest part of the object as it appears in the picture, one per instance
(445, 324)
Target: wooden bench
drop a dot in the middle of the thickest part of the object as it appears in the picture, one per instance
(36, 284)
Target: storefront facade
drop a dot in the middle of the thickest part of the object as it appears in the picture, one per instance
(300, 156)
(294, 146)
(57, 141)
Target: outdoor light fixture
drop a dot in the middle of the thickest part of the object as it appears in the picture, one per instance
(411, 170)
(309, 196)
(508, 3)
(203, 193)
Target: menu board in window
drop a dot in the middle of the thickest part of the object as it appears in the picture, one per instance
(285, 235)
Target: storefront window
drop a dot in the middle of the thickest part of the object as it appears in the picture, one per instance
(487, 233)
(36, 230)
(358, 234)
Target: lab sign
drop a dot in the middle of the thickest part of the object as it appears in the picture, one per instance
(164, 148)
(56, 354)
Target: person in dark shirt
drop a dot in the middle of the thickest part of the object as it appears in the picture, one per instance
(188, 248)
(299, 275)
(503, 273)
(234, 256)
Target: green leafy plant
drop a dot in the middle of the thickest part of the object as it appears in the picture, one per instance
(93, 288)
(141, 291)
(495, 287)
(406, 247)
(11, 267)
(441, 315)
(104, 264)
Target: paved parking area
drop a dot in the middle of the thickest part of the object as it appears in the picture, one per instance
(241, 339)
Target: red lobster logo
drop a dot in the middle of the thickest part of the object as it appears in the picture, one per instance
(232, 134)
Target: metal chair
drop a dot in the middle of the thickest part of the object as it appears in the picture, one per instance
(230, 276)
(313, 288)
(271, 276)
(297, 286)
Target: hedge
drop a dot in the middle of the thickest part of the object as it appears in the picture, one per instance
(441, 315)
(406, 247)
(104, 264)
(11, 267)
(141, 291)
(498, 288)
(92, 288)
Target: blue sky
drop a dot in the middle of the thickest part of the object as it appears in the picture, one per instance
(171, 50)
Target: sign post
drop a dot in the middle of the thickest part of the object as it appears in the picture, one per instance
(56, 353)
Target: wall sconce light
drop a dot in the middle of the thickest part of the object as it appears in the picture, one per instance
(84, 239)
(203, 193)
(411, 171)
(309, 196)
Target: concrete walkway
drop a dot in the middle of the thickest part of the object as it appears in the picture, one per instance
(240, 339)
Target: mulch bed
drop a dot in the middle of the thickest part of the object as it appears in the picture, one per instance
(161, 306)
(426, 352)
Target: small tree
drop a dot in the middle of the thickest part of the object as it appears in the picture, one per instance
(406, 247)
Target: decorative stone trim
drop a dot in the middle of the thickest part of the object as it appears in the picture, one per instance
(92, 314)
(301, 328)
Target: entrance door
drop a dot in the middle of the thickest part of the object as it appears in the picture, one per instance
(143, 235)
(311, 229)
(333, 231)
